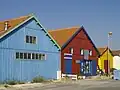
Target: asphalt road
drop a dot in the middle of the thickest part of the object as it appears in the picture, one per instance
(81, 85)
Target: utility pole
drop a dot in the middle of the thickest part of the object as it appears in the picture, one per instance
(109, 35)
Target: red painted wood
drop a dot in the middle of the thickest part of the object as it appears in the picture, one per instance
(106, 66)
(78, 42)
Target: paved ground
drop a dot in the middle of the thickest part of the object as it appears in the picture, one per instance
(79, 85)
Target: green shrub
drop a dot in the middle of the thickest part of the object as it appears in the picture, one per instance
(11, 82)
(6, 85)
(21, 82)
(38, 79)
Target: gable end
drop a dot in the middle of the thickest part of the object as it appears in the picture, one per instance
(81, 28)
(38, 23)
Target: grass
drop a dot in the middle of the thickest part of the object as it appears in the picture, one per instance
(38, 79)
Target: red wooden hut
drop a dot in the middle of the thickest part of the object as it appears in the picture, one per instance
(79, 54)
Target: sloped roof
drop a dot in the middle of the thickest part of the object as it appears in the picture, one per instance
(116, 52)
(17, 22)
(103, 50)
(63, 35)
(12, 23)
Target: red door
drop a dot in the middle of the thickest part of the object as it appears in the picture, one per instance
(106, 66)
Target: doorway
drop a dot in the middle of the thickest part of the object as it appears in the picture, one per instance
(106, 66)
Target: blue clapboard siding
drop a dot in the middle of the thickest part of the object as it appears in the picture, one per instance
(25, 70)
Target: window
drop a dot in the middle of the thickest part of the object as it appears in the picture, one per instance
(33, 56)
(21, 55)
(40, 56)
(27, 39)
(71, 50)
(90, 52)
(25, 55)
(37, 56)
(30, 39)
(30, 56)
(86, 54)
(81, 51)
(17, 55)
(43, 57)
(34, 40)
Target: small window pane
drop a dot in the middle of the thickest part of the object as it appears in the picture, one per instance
(90, 52)
(17, 55)
(34, 40)
(30, 39)
(21, 55)
(33, 56)
(71, 50)
(25, 55)
(29, 55)
(43, 57)
(27, 39)
(37, 56)
(40, 56)
(81, 51)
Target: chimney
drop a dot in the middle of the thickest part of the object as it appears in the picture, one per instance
(6, 25)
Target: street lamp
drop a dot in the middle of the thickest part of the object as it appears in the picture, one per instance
(109, 35)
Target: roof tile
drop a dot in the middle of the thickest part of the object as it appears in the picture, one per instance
(12, 23)
(61, 36)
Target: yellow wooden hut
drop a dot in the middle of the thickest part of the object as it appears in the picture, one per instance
(105, 60)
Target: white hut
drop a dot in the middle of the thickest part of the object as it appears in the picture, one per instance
(116, 59)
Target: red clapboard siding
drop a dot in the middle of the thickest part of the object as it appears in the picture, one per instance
(78, 42)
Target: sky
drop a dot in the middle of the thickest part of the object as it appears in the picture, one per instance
(97, 16)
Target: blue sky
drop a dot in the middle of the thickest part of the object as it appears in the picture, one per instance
(97, 16)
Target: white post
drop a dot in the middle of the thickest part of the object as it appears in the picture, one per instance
(108, 52)
(109, 34)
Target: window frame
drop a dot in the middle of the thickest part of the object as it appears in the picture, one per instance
(17, 55)
(90, 52)
(71, 50)
(31, 39)
(25, 55)
(27, 39)
(30, 56)
(82, 51)
(21, 57)
(33, 55)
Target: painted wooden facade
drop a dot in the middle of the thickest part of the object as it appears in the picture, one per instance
(116, 59)
(106, 59)
(21, 60)
(73, 59)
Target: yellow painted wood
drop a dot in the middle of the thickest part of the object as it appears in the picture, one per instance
(104, 57)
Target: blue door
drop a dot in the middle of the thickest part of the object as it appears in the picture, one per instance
(68, 63)
(68, 66)
(94, 67)
(85, 67)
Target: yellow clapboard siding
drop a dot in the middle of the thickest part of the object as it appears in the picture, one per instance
(104, 57)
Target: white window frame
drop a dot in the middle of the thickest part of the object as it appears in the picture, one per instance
(90, 52)
(71, 50)
(82, 51)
